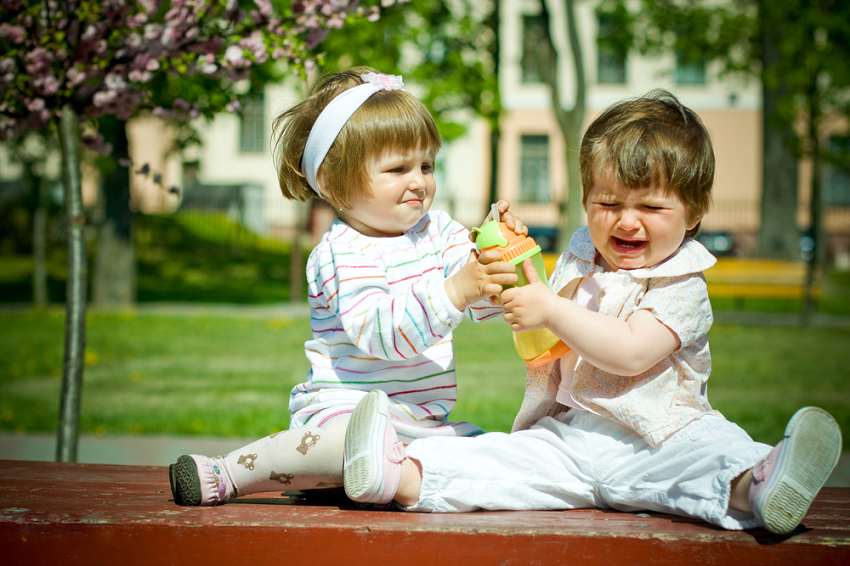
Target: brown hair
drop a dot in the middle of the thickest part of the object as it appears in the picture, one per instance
(388, 120)
(651, 140)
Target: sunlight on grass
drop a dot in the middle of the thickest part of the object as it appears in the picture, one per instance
(232, 376)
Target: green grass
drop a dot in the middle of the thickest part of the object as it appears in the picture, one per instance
(232, 376)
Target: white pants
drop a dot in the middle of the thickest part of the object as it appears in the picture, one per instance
(580, 460)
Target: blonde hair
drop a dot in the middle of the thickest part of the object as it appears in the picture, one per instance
(652, 140)
(388, 120)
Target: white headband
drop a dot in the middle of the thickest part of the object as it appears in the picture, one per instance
(335, 115)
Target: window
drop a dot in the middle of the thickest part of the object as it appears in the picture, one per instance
(610, 59)
(534, 169)
(836, 179)
(690, 63)
(689, 72)
(252, 133)
(533, 34)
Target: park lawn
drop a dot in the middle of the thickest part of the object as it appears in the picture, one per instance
(223, 376)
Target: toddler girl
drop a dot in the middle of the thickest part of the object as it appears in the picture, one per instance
(623, 421)
(387, 285)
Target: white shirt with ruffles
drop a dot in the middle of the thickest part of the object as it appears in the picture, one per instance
(667, 396)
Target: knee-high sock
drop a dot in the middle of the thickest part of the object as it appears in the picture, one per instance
(296, 459)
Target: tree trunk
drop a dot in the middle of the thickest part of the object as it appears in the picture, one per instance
(39, 247)
(75, 304)
(569, 121)
(114, 281)
(778, 231)
(495, 140)
(39, 187)
(296, 265)
(494, 118)
(815, 261)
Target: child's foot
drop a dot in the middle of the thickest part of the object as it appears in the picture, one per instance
(197, 480)
(786, 482)
(373, 453)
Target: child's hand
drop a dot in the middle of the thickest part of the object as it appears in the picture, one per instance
(480, 279)
(511, 221)
(528, 307)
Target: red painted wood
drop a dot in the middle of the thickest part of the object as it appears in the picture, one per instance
(98, 514)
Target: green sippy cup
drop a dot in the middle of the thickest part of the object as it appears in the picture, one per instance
(536, 347)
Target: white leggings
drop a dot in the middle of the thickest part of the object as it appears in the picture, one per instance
(295, 459)
(310, 457)
(580, 460)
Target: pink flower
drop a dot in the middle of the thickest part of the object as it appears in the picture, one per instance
(138, 76)
(46, 85)
(234, 53)
(35, 105)
(384, 82)
(15, 34)
(104, 98)
(75, 76)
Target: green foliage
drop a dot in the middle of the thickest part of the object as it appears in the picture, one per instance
(199, 257)
(187, 257)
(812, 37)
(447, 49)
(192, 257)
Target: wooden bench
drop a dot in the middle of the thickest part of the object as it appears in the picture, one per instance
(742, 278)
(97, 514)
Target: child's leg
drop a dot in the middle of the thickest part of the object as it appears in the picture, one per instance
(714, 471)
(534, 469)
(295, 459)
(691, 473)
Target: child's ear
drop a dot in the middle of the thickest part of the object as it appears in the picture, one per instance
(694, 221)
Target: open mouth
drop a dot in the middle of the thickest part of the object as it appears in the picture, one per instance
(628, 246)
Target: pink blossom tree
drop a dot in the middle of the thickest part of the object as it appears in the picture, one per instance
(66, 63)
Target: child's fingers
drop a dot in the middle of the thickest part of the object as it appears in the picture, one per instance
(502, 279)
(491, 290)
(519, 227)
(489, 256)
(530, 272)
(515, 224)
(507, 295)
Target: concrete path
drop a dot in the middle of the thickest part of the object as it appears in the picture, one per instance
(164, 450)
(302, 310)
(125, 450)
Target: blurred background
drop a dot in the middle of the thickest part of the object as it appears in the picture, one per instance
(512, 90)
(197, 216)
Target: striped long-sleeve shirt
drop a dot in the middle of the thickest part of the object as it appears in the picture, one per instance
(381, 318)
